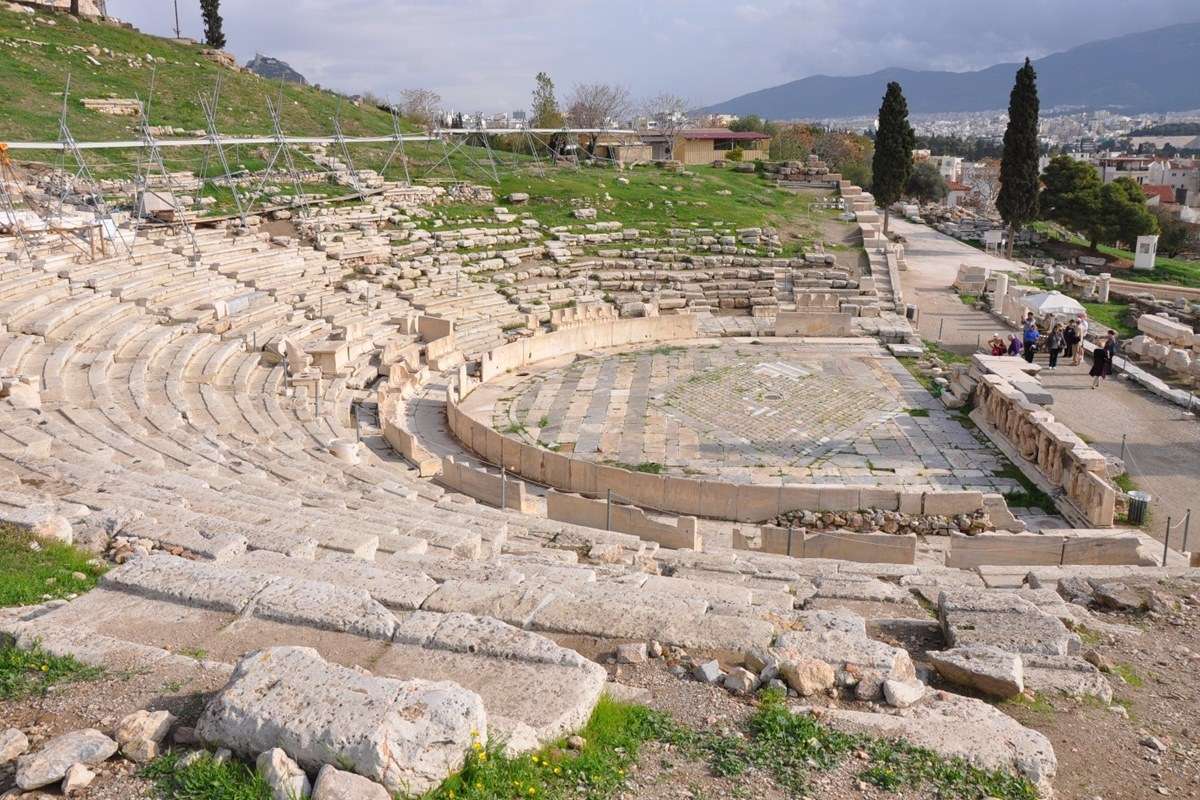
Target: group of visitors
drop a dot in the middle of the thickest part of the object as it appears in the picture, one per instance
(1062, 340)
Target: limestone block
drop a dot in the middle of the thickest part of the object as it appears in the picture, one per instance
(948, 504)
(334, 784)
(284, 776)
(1164, 329)
(988, 669)
(13, 743)
(408, 735)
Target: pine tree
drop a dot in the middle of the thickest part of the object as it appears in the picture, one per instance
(1018, 199)
(213, 35)
(545, 104)
(892, 165)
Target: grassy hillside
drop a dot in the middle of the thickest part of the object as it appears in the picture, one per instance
(36, 57)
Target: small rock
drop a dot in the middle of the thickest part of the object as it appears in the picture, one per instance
(1153, 743)
(632, 653)
(1118, 597)
(903, 694)
(334, 784)
(13, 743)
(140, 751)
(654, 649)
(190, 758)
(50, 764)
(77, 779)
(741, 681)
(576, 742)
(808, 676)
(709, 672)
(185, 735)
(144, 725)
(222, 755)
(284, 776)
(1098, 660)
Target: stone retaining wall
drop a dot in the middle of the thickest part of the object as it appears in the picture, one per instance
(668, 493)
(485, 486)
(871, 548)
(968, 552)
(1065, 460)
(625, 519)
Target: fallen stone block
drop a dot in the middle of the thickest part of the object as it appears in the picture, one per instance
(961, 727)
(284, 776)
(408, 735)
(987, 669)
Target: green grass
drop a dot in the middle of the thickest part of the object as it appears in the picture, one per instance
(1128, 675)
(53, 570)
(969, 299)
(1177, 271)
(649, 467)
(1029, 495)
(206, 780)
(1111, 315)
(28, 673)
(614, 736)
(1125, 483)
(788, 747)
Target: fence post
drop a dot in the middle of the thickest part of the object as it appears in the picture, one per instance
(608, 512)
(503, 488)
(941, 327)
(1166, 539)
(1187, 523)
(1124, 436)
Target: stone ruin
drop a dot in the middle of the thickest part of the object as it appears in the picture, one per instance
(250, 439)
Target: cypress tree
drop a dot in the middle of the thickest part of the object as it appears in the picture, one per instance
(1018, 198)
(213, 35)
(892, 164)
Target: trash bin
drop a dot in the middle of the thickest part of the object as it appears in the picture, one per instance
(1138, 503)
(911, 313)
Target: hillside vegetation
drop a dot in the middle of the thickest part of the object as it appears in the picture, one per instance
(38, 52)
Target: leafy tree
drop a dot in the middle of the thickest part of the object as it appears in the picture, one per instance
(1174, 235)
(213, 35)
(1123, 212)
(1071, 196)
(1018, 198)
(545, 104)
(793, 142)
(751, 123)
(926, 183)
(894, 142)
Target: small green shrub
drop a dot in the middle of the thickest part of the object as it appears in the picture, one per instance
(31, 672)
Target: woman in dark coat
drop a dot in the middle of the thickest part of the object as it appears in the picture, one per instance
(1102, 358)
(1071, 339)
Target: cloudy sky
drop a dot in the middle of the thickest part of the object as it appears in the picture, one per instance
(483, 54)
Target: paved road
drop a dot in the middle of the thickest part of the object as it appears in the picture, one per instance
(1162, 445)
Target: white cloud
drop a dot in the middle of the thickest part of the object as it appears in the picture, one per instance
(483, 54)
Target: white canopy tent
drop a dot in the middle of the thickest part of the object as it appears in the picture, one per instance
(1052, 304)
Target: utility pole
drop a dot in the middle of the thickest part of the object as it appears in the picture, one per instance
(178, 33)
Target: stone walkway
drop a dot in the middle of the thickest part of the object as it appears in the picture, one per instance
(843, 412)
(1162, 445)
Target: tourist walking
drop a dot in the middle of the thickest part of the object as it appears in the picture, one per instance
(1030, 337)
(1081, 324)
(1102, 358)
(1070, 340)
(1054, 344)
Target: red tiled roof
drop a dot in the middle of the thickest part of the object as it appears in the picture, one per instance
(957, 186)
(1164, 193)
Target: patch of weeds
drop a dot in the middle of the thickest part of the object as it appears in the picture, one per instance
(34, 570)
(1127, 674)
(1038, 703)
(969, 299)
(947, 356)
(614, 735)
(206, 779)
(28, 673)
(649, 467)
(666, 350)
(917, 412)
(544, 422)
(897, 764)
(1125, 483)
(198, 653)
(1087, 636)
(514, 428)
(1029, 495)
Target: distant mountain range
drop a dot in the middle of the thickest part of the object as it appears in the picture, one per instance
(274, 69)
(1141, 72)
